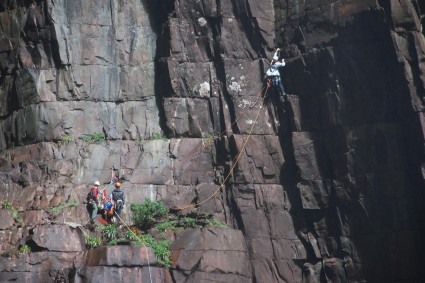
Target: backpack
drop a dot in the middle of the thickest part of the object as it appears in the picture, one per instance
(109, 208)
(92, 194)
(117, 195)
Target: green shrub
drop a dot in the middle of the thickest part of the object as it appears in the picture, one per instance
(158, 136)
(113, 242)
(214, 222)
(160, 248)
(184, 222)
(92, 241)
(6, 205)
(131, 236)
(208, 139)
(147, 213)
(188, 222)
(109, 231)
(66, 138)
(86, 138)
(95, 137)
(17, 216)
(59, 208)
(98, 137)
(167, 225)
(24, 249)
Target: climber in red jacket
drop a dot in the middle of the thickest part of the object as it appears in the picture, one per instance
(92, 199)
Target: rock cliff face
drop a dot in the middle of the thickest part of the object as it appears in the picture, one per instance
(325, 188)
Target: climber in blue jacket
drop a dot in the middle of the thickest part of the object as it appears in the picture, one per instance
(273, 74)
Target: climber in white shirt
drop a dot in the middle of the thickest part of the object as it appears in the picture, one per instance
(273, 74)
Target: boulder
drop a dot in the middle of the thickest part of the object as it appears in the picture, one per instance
(212, 250)
(58, 238)
(122, 263)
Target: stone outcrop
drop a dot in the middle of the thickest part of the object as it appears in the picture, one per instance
(327, 187)
(215, 254)
(43, 266)
(120, 263)
(58, 238)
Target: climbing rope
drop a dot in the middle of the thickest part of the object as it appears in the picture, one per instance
(122, 221)
(243, 114)
(234, 165)
(221, 185)
(147, 255)
(259, 94)
(229, 127)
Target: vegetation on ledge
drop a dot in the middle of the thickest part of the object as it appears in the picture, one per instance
(151, 222)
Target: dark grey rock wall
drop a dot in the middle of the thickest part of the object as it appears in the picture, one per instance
(326, 188)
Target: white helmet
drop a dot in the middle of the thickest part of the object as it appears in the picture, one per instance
(97, 183)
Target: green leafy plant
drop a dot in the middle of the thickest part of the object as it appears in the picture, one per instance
(214, 222)
(24, 249)
(92, 241)
(208, 139)
(17, 216)
(110, 231)
(158, 136)
(160, 248)
(95, 137)
(145, 214)
(113, 242)
(86, 138)
(98, 137)
(183, 222)
(6, 205)
(59, 208)
(167, 225)
(66, 138)
(141, 240)
(188, 222)
(131, 236)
